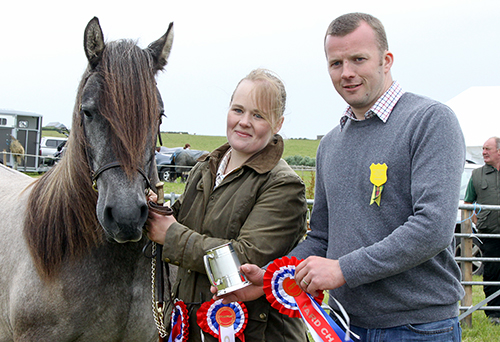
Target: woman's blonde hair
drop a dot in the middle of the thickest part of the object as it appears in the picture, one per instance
(270, 95)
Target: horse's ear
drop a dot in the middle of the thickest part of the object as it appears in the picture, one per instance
(160, 49)
(93, 42)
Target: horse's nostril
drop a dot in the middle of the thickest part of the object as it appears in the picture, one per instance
(144, 213)
(108, 215)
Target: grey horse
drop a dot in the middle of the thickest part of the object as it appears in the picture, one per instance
(184, 160)
(71, 263)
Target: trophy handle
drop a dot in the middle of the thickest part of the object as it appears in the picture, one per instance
(209, 269)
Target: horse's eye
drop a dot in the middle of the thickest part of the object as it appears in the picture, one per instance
(85, 111)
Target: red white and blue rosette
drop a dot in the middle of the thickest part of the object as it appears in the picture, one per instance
(280, 286)
(220, 320)
(179, 322)
(286, 296)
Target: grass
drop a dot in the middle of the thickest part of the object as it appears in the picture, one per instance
(301, 147)
(482, 330)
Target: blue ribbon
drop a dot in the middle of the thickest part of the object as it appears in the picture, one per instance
(338, 330)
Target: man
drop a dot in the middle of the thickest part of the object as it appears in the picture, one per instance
(484, 188)
(387, 188)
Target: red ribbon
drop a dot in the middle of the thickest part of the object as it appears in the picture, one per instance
(315, 319)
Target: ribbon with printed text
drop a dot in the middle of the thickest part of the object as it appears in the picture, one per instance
(288, 298)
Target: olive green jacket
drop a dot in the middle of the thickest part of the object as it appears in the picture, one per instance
(261, 208)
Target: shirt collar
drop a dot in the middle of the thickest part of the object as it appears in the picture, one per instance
(382, 108)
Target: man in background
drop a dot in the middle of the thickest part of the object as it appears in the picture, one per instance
(484, 188)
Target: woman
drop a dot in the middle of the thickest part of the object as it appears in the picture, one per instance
(242, 192)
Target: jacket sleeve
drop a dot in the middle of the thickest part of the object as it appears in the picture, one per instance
(274, 225)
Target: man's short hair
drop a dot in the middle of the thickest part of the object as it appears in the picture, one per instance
(347, 23)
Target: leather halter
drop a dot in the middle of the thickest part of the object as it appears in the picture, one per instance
(111, 165)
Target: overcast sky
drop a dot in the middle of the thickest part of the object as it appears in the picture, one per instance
(441, 48)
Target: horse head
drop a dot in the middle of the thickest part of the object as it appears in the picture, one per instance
(118, 116)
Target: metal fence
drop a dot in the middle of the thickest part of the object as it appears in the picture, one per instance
(466, 259)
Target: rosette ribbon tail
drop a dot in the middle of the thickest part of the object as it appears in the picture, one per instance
(286, 296)
(179, 322)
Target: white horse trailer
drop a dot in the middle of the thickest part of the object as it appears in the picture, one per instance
(26, 127)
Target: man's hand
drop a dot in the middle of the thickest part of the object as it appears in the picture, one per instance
(255, 275)
(316, 274)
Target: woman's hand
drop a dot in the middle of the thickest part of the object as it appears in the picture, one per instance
(255, 275)
(157, 226)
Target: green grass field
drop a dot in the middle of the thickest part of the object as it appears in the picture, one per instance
(300, 147)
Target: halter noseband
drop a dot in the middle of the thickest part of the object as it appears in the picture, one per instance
(111, 165)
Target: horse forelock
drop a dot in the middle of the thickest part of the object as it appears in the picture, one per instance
(129, 101)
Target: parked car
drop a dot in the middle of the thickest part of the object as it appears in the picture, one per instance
(164, 163)
(477, 266)
(48, 148)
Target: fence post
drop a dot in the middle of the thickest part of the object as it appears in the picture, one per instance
(466, 266)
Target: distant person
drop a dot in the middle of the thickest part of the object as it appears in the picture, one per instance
(245, 193)
(187, 147)
(484, 188)
(387, 187)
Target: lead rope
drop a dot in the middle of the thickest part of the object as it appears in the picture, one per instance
(157, 305)
(157, 292)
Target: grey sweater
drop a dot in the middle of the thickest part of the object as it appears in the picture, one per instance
(397, 259)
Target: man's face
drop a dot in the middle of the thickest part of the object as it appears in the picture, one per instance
(359, 72)
(491, 154)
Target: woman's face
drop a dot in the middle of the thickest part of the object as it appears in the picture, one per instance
(247, 131)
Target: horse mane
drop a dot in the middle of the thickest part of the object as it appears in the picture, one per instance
(61, 222)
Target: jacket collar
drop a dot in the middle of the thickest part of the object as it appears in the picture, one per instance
(489, 168)
(263, 161)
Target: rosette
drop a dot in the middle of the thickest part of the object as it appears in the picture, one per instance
(280, 286)
(179, 322)
(216, 318)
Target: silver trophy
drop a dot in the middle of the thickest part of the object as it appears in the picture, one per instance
(223, 269)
